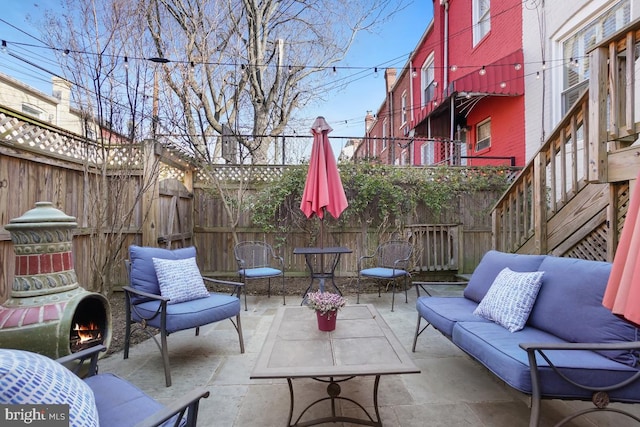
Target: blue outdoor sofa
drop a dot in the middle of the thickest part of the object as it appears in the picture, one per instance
(570, 346)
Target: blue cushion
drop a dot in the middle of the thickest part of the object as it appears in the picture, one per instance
(31, 378)
(569, 305)
(254, 273)
(387, 273)
(143, 273)
(444, 312)
(491, 264)
(498, 350)
(190, 314)
(120, 403)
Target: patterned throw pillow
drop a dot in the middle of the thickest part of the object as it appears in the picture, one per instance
(30, 378)
(180, 279)
(510, 298)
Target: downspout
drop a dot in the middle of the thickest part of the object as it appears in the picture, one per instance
(445, 85)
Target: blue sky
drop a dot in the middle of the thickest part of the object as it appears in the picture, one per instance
(345, 109)
(390, 46)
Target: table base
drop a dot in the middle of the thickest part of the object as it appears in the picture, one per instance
(333, 392)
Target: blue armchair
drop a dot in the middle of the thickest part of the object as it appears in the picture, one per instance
(167, 293)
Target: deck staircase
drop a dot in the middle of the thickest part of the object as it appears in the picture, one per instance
(572, 197)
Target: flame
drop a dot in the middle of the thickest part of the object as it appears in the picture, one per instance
(87, 332)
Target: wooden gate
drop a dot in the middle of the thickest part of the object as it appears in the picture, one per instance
(175, 214)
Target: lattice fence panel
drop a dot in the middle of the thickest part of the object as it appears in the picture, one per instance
(593, 247)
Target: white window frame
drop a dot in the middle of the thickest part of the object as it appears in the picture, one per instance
(384, 134)
(404, 108)
(427, 156)
(581, 46)
(427, 78)
(481, 20)
(32, 110)
(485, 141)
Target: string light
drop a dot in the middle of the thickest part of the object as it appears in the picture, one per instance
(414, 73)
(503, 84)
(454, 68)
(517, 66)
(375, 72)
(65, 52)
(126, 62)
(537, 74)
(482, 71)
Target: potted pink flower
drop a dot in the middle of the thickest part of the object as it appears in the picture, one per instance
(326, 306)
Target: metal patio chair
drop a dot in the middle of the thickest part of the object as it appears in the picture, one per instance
(257, 260)
(389, 263)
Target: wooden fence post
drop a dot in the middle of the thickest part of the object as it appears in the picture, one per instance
(150, 196)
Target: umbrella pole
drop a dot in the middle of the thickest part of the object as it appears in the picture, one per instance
(321, 254)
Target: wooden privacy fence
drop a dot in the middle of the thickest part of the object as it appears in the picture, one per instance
(145, 194)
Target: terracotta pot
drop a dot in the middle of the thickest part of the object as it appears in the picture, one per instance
(327, 321)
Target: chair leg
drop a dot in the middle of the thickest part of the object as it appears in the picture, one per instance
(239, 329)
(358, 290)
(165, 357)
(269, 287)
(393, 294)
(415, 337)
(284, 297)
(406, 297)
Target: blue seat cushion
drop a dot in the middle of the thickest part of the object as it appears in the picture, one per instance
(143, 272)
(498, 350)
(120, 403)
(444, 312)
(492, 263)
(569, 305)
(256, 273)
(190, 314)
(382, 272)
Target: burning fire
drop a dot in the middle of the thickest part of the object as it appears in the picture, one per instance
(88, 332)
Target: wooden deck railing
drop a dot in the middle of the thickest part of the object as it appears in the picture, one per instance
(563, 201)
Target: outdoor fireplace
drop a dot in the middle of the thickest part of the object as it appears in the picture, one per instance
(47, 311)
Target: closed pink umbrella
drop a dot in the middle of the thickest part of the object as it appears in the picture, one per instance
(622, 295)
(323, 189)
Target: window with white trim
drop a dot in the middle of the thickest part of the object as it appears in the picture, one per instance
(32, 110)
(384, 134)
(427, 81)
(575, 48)
(483, 135)
(427, 156)
(404, 107)
(481, 19)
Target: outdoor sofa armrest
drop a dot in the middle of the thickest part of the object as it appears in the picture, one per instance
(187, 402)
(423, 285)
(78, 358)
(600, 397)
(148, 296)
(237, 286)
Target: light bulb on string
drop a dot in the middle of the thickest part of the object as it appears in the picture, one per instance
(454, 68)
(482, 71)
(518, 66)
(126, 62)
(4, 46)
(375, 72)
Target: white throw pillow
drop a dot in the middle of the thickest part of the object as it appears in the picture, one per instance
(28, 378)
(180, 279)
(510, 298)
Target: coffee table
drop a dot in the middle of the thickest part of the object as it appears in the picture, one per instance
(361, 345)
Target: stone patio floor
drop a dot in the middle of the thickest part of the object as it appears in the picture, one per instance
(452, 389)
